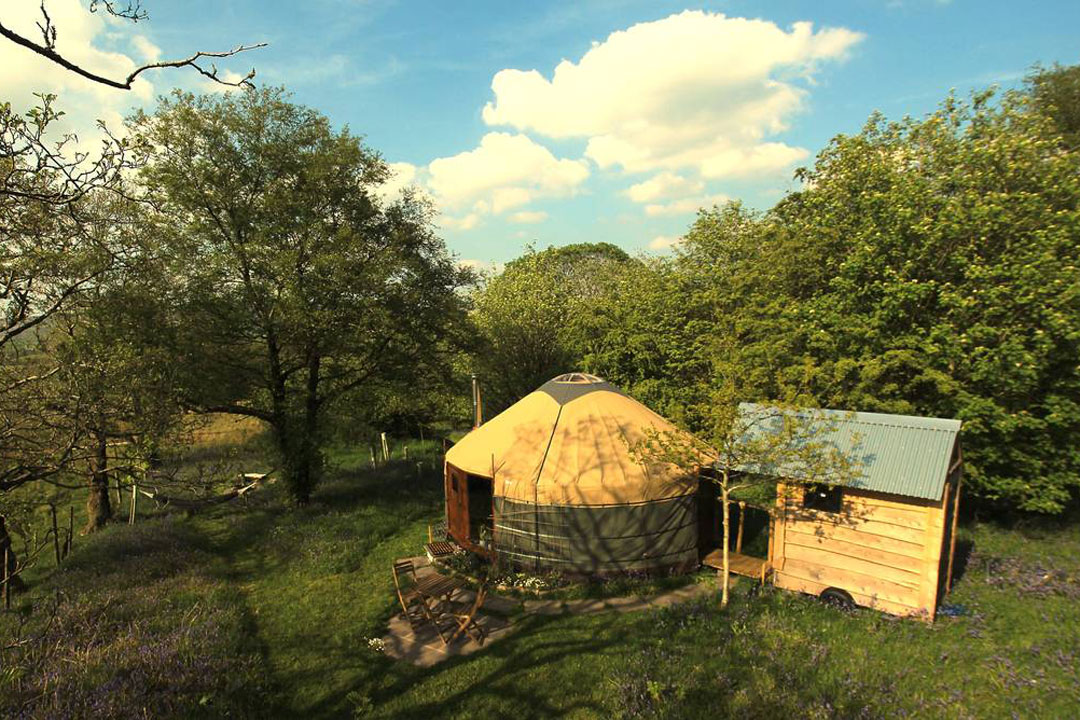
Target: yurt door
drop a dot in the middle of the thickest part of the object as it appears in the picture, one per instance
(457, 504)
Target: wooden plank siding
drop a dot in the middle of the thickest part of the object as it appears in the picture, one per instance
(884, 550)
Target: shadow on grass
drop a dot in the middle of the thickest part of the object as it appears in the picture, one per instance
(499, 675)
(961, 558)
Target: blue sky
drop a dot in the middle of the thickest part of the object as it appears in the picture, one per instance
(660, 107)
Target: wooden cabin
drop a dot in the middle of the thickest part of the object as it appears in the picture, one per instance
(886, 540)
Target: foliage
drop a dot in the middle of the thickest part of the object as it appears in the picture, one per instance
(56, 242)
(175, 648)
(928, 267)
(305, 614)
(1055, 92)
(293, 286)
(745, 448)
(531, 317)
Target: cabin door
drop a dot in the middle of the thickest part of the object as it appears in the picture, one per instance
(709, 530)
(457, 504)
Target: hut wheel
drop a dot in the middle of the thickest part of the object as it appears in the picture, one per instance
(838, 598)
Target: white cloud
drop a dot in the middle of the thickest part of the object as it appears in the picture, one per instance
(663, 242)
(403, 175)
(505, 171)
(82, 37)
(481, 265)
(694, 90)
(664, 185)
(466, 222)
(528, 216)
(146, 49)
(684, 205)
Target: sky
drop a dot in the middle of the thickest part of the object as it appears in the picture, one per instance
(561, 122)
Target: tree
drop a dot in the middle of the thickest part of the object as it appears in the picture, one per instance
(134, 12)
(117, 380)
(54, 247)
(531, 318)
(929, 267)
(747, 450)
(1055, 92)
(950, 251)
(293, 287)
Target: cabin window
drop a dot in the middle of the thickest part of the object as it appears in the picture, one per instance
(823, 498)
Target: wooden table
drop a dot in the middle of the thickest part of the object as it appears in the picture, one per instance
(438, 586)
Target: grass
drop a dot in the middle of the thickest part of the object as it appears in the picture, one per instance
(260, 610)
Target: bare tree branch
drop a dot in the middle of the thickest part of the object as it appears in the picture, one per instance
(133, 12)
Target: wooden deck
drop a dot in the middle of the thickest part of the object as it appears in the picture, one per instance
(738, 563)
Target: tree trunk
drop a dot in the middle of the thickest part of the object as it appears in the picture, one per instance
(98, 508)
(725, 573)
(299, 442)
(14, 583)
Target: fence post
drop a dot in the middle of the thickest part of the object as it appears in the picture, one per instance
(405, 452)
(385, 448)
(134, 500)
(7, 580)
(55, 534)
(742, 521)
(71, 531)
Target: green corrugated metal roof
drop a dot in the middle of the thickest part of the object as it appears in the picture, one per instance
(899, 454)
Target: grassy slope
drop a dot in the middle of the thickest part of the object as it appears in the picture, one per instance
(292, 596)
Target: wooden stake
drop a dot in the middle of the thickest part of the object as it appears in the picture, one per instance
(372, 457)
(385, 448)
(71, 531)
(405, 452)
(55, 535)
(134, 500)
(7, 580)
(742, 521)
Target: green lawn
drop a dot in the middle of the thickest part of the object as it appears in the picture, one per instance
(258, 610)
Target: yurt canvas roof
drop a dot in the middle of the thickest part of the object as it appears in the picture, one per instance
(569, 443)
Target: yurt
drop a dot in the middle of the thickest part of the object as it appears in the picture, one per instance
(552, 483)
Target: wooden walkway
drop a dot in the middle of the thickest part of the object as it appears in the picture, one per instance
(738, 563)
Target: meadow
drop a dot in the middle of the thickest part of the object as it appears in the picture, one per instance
(259, 609)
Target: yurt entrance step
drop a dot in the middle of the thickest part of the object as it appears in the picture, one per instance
(738, 563)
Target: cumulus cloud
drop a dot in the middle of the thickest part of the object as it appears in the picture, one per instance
(402, 175)
(528, 216)
(465, 222)
(662, 186)
(504, 171)
(664, 242)
(85, 39)
(481, 266)
(695, 90)
(683, 206)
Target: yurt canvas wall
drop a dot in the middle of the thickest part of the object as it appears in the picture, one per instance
(568, 490)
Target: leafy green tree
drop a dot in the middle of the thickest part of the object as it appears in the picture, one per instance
(54, 248)
(532, 317)
(1055, 92)
(116, 381)
(746, 451)
(929, 268)
(292, 285)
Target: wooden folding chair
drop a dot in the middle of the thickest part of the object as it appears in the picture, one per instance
(462, 619)
(413, 602)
